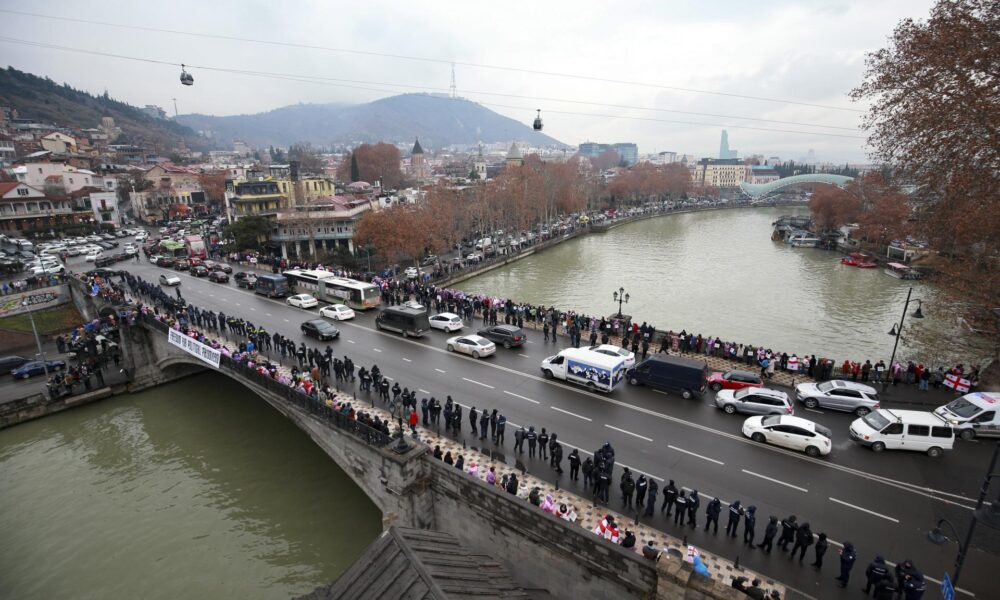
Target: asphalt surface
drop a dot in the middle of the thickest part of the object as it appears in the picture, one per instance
(882, 503)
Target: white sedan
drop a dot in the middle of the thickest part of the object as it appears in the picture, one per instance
(446, 321)
(337, 312)
(302, 301)
(475, 345)
(171, 279)
(612, 350)
(790, 432)
(93, 255)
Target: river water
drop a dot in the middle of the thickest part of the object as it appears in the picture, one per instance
(196, 489)
(719, 273)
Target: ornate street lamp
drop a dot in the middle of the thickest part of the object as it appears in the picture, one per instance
(897, 331)
(620, 296)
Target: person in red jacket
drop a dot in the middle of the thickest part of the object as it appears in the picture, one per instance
(413, 422)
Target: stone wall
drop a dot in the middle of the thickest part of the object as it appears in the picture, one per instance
(38, 405)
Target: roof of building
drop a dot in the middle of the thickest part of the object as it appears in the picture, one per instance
(416, 148)
(418, 565)
(514, 151)
(6, 186)
(359, 185)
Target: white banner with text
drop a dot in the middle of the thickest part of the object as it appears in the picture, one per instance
(194, 347)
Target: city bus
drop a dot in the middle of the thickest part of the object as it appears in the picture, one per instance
(173, 249)
(356, 294)
(303, 281)
(272, 286)
(195, 246)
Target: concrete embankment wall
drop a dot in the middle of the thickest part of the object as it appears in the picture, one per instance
(37, 406)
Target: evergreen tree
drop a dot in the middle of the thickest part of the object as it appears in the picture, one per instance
(355, 171)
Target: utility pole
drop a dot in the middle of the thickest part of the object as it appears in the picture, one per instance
(454, 89)
(26, 304)
(175, 107)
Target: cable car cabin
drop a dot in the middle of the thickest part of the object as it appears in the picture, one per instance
(538, 121)
(186, 77)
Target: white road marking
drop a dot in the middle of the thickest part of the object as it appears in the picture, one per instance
(406, 359)
(253, 309)
(286, 321)
(718, 462)
(864, 510)
(440, 371)
(268, 314)
(423, 391)
(478, 383)
(778, 481)
(212, 295)
(572, 414)
(642, 437)
(376, 350)
(238, 304)
(349, 341)
(389, 378)
(523, 355)
(815, 411)
(521, 397)
(529, 341)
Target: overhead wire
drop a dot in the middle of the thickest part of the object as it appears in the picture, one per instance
(428, 59)
(392, 87)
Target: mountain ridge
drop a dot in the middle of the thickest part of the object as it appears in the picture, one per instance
(438, 121)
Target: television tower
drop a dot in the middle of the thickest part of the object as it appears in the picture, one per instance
(175, 106)
(454, 89)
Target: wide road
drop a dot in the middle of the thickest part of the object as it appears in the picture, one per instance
(883, 503)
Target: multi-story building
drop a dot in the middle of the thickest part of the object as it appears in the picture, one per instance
(104, 205)
(758, 174)
(719, 173)
(593, 149)
(56, 177)
(262, 198)
(323, 224)
(628, 152)
(25, 208)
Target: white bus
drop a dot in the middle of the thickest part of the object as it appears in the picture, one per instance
(326, 286)
(356, 294)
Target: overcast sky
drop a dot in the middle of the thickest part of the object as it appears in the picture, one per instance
(808, 52)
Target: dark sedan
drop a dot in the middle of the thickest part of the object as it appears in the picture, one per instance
(245, 280)
(36, 367)
(199, 271)
(9, 363)
(320, 330)
(218, 277)
(509, 336)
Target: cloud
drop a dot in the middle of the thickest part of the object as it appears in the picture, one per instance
(809, 52)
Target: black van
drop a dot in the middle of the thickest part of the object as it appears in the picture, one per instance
(408, 320)
(685, 376)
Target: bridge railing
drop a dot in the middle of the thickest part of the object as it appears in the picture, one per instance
(326, 414)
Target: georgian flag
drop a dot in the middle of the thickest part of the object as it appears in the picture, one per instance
(957, 383)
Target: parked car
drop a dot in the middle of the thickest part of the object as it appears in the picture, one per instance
(302, 301)
(169, 279)
(446, 322)
(684, 376)
(166, 262)
(915, 430)
(37, 367)
(93, 255)
(9, 363)
(617, 351)
(337, 312)
(837, 394)
(245, 280)
(754, 401)
(734, 380)
(320, 329)
(217, 266)
(790, 432)
(199, 271)
(474, 345)
(218, 276)
(508, 335)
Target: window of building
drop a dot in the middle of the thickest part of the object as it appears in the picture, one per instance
(23, 191)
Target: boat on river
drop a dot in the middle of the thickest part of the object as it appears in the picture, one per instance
(859, 260)
(901, 271)
(803, 239)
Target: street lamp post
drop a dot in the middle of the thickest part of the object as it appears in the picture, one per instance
(620, 296)
(990, 516)
(898, 331)
(38, 341)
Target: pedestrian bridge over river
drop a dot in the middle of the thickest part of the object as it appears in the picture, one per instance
(546, 556)
(757, 191)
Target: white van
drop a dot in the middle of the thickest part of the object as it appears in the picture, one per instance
(885, 429)
(592, 369)
(972, 415)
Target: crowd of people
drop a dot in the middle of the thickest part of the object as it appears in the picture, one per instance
(309, 375)
(32, 282)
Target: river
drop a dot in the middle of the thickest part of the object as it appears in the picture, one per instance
(719, 273)
(196, 489)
